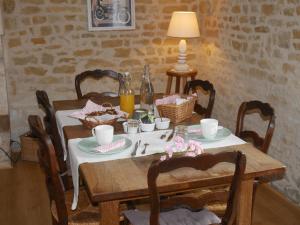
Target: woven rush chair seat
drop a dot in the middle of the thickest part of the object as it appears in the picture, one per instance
(85, 212)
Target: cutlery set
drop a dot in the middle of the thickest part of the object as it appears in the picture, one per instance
(138, 143)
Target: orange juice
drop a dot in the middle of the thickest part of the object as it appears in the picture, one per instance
(127, 103)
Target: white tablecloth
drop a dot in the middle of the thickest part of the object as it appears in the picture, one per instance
(63, 119)
(78, 157)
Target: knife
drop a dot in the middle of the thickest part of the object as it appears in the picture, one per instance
(135, 148)
(171, 135)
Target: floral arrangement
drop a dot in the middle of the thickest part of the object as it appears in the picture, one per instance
(192, 148)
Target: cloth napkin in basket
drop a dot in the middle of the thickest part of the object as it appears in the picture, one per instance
(112, 146)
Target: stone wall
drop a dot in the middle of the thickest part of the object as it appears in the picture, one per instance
(4, 113)
(48, 44)
(251, 50)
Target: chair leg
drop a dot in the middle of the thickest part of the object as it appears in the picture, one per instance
(255, 186)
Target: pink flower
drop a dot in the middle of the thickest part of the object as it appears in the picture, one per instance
(190, 154)
(178, 139)
(163, 158)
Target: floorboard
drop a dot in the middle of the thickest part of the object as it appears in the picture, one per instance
(24, 200)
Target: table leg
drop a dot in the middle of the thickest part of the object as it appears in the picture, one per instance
(177, 88)
(109, 213)
(169, 85)
(245, 203)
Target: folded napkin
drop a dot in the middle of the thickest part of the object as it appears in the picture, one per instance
(195, 130)
(112, 146)
(174, 99)
(93, 107)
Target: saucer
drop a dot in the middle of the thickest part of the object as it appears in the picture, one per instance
(89, 144)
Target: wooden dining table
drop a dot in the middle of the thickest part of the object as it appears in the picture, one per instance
(111, 182)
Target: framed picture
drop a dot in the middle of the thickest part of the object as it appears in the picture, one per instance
(111, 15)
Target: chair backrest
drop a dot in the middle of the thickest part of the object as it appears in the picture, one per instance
(207, 87)
(95, 74)
(267, 113)
(200, 162)
(51, 127)
(48, 162)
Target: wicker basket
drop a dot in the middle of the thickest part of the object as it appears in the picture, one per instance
(177, 113)
(92, 122)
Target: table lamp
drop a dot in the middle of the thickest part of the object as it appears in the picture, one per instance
(183, 25)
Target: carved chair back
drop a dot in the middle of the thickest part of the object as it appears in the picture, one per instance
(52, 131)
(49, 164)
(193, 85)
(201, 162)
(95, 74)
(267, 113)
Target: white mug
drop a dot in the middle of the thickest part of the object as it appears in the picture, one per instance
(104, 134)
(209, 128)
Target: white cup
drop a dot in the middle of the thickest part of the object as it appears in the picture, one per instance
(209, 128)
(104, 134)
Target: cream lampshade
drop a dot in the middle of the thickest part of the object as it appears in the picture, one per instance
(183, 25)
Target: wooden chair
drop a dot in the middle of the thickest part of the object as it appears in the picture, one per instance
(267, 113)
(52, 131)
(206, 86)
(60, 201)
(262, 143)
(96, 74)
(173, 206)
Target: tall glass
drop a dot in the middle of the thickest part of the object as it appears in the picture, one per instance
(127, 95)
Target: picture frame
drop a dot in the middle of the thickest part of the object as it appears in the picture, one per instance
(111, 15)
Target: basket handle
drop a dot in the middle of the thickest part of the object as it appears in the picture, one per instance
(107, 104)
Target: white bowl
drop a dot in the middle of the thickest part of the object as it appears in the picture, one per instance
(162, 123)
(147, 127)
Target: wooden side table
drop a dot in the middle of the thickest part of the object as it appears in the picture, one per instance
(192, 73)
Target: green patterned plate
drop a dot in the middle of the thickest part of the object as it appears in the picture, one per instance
(89, 144)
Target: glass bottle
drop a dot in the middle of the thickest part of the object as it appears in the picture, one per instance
(146, 90)
(127, 95)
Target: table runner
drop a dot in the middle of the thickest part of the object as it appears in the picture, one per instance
(78, 157)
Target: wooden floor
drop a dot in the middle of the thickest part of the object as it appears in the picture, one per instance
(23, 200)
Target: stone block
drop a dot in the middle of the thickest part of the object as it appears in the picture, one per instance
(38, 41)
(9, 6)
(37, 71)
(267, 9)
(65, 69)
(31, 59)
(14, 42)
(39, 19)
(30, 10)
(47, 59)
(112, 43)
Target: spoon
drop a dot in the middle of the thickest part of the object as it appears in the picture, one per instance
(144, 150)
(164, 135)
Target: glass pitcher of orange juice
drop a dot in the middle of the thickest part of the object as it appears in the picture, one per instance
(126, 94)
